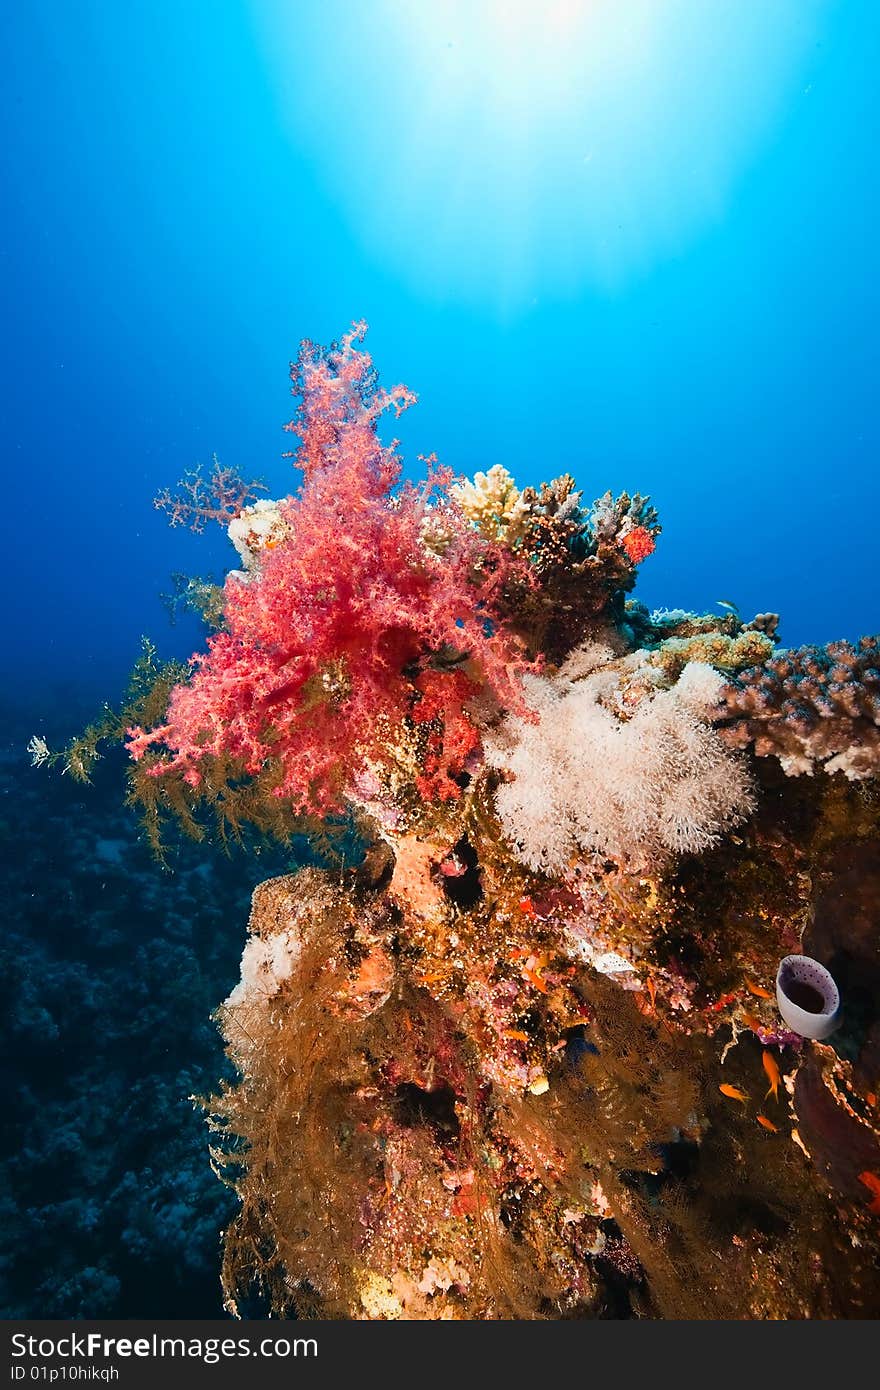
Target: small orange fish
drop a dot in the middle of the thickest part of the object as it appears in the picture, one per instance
(773, 1076)
(734, 1092)
(721, 1003)
(872, 1183)
(648, 1006)
(871, 1098)
(751, 1022)
(515, 1033)
(767, 1124)
(535, 979)
(758, 991)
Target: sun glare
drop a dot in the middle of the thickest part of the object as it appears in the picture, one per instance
(499, 150)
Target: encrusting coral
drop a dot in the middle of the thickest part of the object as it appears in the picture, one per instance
(486, 1071)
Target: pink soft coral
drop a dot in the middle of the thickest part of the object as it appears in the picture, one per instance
(377, 608)
(217, 498)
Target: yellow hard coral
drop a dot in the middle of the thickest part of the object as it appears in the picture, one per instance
(718, 649)
(377, 1297)
(494, 504)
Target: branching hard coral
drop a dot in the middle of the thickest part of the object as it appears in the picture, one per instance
(347, 621)
(583, 564)
(494, 504)
(810, 707)
(633, 784)
(625, 519)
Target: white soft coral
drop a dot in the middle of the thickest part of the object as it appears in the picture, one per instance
(255, 529)
(633, 785)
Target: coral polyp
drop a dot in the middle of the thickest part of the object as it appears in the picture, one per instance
(509, 1059)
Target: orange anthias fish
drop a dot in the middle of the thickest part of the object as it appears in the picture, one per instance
(751, 1022)
(722, 1003)
(767, 1124)
(773, 1076)
(758, 991)
(734, 1092)
(872, 1183)
(534, 978)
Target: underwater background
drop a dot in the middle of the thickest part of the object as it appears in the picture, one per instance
(634, 241)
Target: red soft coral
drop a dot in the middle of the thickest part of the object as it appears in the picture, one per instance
(638, 544)
(452, 738)
(344, 630)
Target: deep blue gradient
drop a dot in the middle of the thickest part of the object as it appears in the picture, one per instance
(634, 240)
(174, 225)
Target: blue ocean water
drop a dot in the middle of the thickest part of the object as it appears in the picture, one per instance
(643, 253)
(635, 243)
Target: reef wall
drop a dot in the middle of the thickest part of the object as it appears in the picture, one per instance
(518, 1053)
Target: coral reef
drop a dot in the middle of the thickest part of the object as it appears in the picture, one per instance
(348, 625)
(509, 1058)
(111, 966)
(811, 707)
(477, 1120)
(582, 563)
(613, 771)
